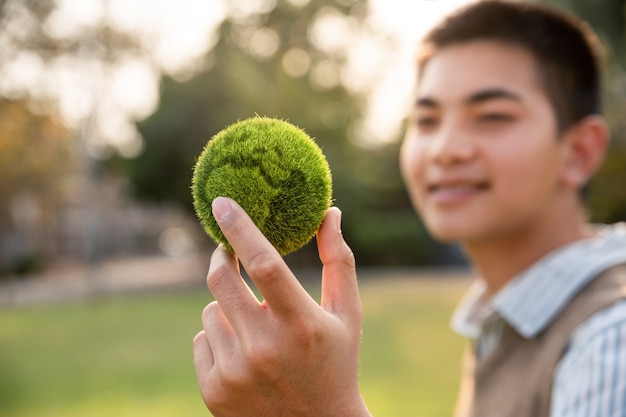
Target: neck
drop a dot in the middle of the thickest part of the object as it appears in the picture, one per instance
(501, 258)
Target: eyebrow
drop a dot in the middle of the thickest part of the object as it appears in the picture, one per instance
(476, 98)
(492, 94)
(426, 102)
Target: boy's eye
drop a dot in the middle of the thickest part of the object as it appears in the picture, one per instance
(426, 122)
(495, 118)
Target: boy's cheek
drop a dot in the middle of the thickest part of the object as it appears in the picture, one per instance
(410, 161)
(412, 182)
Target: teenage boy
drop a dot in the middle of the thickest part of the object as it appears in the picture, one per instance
(505, 134)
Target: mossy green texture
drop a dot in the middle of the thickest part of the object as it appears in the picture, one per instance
(275, 171)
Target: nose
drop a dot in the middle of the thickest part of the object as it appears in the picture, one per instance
(452, 145)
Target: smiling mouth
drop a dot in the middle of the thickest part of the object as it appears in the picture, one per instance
(459, 187)
(455, 193)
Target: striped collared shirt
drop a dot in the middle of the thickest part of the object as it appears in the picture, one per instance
(590, 380)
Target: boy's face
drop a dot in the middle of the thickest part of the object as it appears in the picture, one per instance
(481, 157)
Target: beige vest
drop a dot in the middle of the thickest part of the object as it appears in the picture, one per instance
(515, 380)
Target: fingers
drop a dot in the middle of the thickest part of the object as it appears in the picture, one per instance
(219, 334)
(340, 293)
(286, 354)
(235, 298)
(202, 359)
(280, 288)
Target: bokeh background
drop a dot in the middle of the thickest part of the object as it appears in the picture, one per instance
(104, 106)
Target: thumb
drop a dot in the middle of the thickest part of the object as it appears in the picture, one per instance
(340, 292)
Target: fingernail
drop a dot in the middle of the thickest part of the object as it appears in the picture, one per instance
(221, 208)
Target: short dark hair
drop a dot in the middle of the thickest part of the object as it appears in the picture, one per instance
(566, 50)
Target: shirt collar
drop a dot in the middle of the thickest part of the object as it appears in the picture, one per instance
(533, 299)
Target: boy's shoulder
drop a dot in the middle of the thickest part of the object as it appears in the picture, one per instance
(590, 373)
(534, 299)
(605, 324)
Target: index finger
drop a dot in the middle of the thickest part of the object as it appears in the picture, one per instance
(266, 268)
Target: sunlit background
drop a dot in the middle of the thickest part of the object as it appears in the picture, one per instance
(104, 105)
(97, 164)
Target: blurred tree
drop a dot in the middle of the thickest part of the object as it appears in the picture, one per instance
(283, 58)
(63, 61)
(56, 63)
(36, 155)
(288, 61)
(607, 194)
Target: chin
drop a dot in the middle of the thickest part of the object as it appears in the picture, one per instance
(453, 233)
(445, 235)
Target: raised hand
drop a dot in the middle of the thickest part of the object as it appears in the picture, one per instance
(287, 355)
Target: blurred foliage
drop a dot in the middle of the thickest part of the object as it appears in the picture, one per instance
(35, 153)
(297, 82)
(73, 67)
(266, 62)
(607, 193)
(53, 73)
(36, 156)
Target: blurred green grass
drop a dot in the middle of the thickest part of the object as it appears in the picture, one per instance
(132, 355)
(410, 359)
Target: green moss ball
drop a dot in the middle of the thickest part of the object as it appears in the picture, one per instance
(275, 171)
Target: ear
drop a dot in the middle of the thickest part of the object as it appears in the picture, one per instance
(585, 146)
